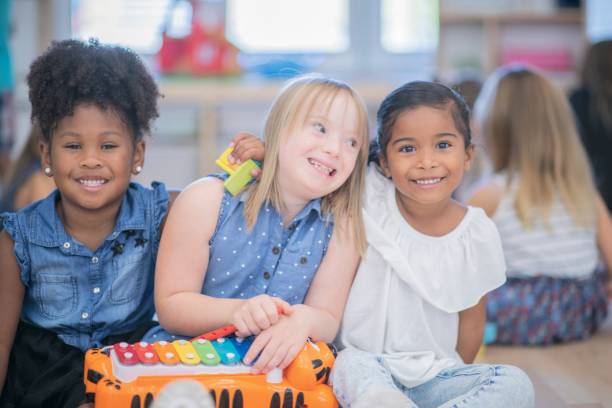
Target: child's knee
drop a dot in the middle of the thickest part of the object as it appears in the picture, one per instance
(348, 358)
(517, 386)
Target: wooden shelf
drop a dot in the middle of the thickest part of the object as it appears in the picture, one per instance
(475, 42)
(561, 16)
(209, 95)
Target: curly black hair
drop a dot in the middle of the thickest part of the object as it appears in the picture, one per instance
(73, 72)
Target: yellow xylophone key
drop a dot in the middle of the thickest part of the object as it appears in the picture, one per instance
(187, 354)
(166, 353)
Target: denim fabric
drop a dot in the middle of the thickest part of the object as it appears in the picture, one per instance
(466, 385)
(85, 295)
(268, 259)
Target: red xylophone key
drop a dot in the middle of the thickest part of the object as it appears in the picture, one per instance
(125, 353)
(145, 353)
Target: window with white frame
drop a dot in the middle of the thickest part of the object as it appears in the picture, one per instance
(348, 35)
(136, 24)
(409, 25)
(289, 26)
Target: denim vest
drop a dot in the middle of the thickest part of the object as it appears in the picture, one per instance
(85, 295)
(268, 259)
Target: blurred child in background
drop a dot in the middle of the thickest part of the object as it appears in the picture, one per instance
(553, 223)
(25, 181)
(592, 103)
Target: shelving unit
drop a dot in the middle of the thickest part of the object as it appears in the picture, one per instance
(478, 43)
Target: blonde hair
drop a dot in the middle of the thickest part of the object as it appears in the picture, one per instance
(530, 132)
(295, 101)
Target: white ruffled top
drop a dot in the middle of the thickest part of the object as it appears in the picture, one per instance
(409, 288)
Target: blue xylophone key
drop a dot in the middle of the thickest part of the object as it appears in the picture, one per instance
(226, 350)
(242, 345)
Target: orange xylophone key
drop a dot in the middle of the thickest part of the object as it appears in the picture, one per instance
(166, 353)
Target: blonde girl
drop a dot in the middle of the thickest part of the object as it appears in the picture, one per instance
(553, 224)
(276, 261)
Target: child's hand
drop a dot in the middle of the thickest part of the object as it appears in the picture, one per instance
(259, 313)
(247, 146)
(278, 345)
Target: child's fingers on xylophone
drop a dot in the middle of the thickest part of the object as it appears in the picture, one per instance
(275, 354)
(253, 354)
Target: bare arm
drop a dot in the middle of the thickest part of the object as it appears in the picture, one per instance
(330, 287)
(11, 300)
(320, 315)
(487, 198)
(471, 331)
(182, 261)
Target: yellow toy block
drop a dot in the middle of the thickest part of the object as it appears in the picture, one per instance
(240, 174)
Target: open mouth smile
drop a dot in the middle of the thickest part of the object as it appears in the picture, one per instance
(425, 182)
(92, 183)
(322, 168)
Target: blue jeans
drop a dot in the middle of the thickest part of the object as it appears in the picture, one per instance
(469, 385)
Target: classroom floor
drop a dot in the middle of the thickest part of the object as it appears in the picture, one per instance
(576, 375)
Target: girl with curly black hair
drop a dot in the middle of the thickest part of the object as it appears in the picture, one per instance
(77, 266)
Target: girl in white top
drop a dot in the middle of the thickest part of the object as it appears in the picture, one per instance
(416, 311)
(553, 224)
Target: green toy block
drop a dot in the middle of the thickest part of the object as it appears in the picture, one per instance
(241, 177)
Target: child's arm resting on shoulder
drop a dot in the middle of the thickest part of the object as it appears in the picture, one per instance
(319, 317)
(182, 262)
(471, 330)
(247, 146)
(11, 299)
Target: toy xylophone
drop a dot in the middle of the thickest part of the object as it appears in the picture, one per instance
(131, 375)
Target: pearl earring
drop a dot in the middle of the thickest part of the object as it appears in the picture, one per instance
(47, 171)
(138, 169)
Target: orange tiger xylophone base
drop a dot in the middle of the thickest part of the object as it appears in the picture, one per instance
(228, 390)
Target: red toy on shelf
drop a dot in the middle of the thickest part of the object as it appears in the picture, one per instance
(204, 51)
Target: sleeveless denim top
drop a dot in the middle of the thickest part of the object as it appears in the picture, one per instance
(85, 295)
(268, 259)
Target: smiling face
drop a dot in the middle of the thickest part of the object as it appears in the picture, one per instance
(426, 156)
(92, 156)
(318, 153)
